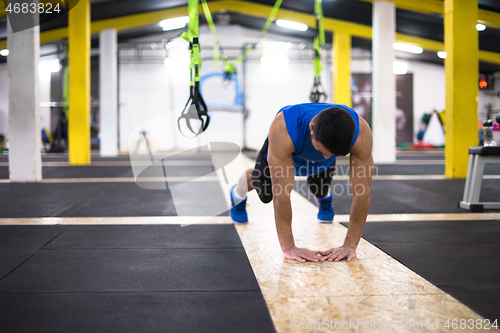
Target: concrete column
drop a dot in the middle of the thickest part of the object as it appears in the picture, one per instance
(342, 74)
(108, 92)
(384, 83)
(79, 83)
(25, 163)
(461, 69)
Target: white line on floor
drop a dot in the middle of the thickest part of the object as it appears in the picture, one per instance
(122, 180)
(177, 220)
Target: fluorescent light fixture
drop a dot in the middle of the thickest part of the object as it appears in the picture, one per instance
(399, 67)
(408, 48)
(50, 66)
(174, 23)
(442, 54)
(4, 52)
(291, 25)
(275, 60)
(480, 27)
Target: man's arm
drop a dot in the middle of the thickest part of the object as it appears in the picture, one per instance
(360, 178)
(282, 177)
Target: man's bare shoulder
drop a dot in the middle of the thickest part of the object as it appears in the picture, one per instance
(363, 146)
(280, 143)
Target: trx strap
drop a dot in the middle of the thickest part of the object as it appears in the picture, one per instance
(195, 107)
(230, 68)
(317, 92)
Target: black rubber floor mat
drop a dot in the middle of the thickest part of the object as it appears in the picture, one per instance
(142, 278)
(106, 199)
(460, 257)
(407, 196)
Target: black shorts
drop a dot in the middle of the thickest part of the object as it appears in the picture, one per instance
(319, 184)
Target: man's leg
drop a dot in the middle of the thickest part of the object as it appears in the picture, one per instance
(258, 178)
(319, 186)
(244, 184)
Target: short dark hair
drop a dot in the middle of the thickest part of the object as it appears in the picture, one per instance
(334, 128)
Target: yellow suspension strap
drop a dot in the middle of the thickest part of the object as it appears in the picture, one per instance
(195, 107)
(230, 68)
(317, 92)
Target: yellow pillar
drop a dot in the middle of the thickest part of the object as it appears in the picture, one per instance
(461, 69)
(342, 72)
(79, 84)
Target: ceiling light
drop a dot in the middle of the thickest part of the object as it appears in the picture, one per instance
(480, 27)
(291, 25)
(275, 60)
(4, 52)
(174, 23)
(50, 66)
(408, 48)
(442, 54)
(399, 67)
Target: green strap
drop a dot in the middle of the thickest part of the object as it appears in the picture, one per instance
(211, 24)
(271, 17)
(318, 66)
(231, 67)
(192, 37)
(319, 39)
(318, 11)
(193, 25)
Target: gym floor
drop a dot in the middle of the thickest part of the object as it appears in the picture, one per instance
(88, 249)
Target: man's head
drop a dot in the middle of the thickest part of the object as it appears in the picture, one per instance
(332, 132)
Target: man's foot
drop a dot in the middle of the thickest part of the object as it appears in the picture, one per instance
(238, 209)
(326, 211)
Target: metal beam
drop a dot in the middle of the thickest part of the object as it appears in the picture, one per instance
(420, 6)
(3, 12)
(262, 11)
(461, 70)
(489, 18)
(342, 72)
(79, 84)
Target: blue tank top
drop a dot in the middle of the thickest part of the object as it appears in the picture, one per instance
(307, 161)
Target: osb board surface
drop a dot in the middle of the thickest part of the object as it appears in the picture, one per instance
(372, 287)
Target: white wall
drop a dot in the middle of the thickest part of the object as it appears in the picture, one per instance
(269, 88)
(44, 77)
(154, 94)
(151, 98)
(429, 90)
(4, 102)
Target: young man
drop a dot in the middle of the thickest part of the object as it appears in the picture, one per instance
(304, 140)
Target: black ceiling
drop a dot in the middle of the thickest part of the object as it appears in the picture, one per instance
(407, 22)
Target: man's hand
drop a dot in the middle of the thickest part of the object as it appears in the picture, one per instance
(339, 253)
(302, 254)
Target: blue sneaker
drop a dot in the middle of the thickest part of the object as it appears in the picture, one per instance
(238, 210)
(326, 212)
